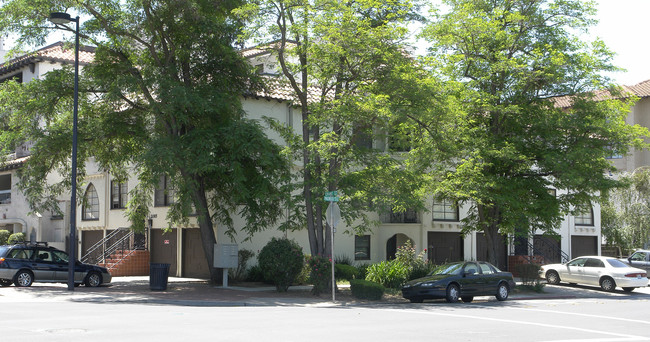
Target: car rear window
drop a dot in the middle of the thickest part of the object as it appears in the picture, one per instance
(3, 251)
(617, 263)
(19, 253)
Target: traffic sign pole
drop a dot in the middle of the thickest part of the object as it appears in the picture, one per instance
(332, 217)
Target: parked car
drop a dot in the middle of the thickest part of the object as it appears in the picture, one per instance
(463, 279)
(639, 259)
(25, 263)
(606, 272)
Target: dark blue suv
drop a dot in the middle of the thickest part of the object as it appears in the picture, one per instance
(25, 263)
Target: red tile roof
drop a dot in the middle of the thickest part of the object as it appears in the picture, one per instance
(57, 52)
(277, 88)
(640, 90)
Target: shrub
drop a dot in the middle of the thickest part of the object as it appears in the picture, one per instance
(239, 274)
(255, 274)
(364, 289)
(16, 237)
(342, 260)
(528, 273)
(281, 261)
(346, 272)
(420, 270)
(417, 264)
(391, 274)
(362, 271)
(4, 235)
(320, 273)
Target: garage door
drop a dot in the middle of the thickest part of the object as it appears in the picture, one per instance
(194, 263)
(444, 247)
(583, 245)
(164, 249)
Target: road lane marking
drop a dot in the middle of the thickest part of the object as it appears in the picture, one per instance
(585, 315)
(616, 336)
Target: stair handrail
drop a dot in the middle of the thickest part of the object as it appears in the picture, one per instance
(563, 256)
(123, 243)
(124, 256)
(86, 257)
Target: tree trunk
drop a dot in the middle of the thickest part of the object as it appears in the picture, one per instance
(208, 238)
(488, 222)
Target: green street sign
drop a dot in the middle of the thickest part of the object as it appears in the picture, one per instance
(331, 196)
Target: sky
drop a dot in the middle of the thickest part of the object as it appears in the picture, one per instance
(623, 25)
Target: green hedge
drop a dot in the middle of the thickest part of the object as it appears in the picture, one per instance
(346, 272)
(15, 237)
(364, 289)
(4, 236)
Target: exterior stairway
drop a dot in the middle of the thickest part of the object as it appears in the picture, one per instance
(127, 263)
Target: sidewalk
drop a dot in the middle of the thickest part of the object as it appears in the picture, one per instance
(197, 292)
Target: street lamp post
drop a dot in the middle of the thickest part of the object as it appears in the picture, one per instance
(58, 19)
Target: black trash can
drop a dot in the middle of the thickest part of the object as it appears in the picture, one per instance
(158, 274)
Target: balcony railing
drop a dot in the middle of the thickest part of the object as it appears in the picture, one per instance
(408, 216)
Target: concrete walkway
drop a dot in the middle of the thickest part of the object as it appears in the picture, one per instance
(197, 292)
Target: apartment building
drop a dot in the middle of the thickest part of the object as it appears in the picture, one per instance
(101, 221)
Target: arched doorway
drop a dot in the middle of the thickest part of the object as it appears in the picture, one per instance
(394, 242)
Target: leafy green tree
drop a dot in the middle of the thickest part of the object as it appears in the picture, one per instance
(516, 62)
(626, 213)
(161, 99)
(331, 55)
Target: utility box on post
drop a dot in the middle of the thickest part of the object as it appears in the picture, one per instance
(226, 255)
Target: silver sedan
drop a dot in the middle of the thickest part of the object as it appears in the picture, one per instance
(606, 272)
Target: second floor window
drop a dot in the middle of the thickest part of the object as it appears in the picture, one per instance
(90, 207)
(445, 210)
(164, 194)
(585, 217)
(5, 189)
(119, 195)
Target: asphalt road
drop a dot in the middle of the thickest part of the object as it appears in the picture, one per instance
(596, 316)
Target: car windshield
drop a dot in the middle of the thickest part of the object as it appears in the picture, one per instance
(447, 269)
(617, 263)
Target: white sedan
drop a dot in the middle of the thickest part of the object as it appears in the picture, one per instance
(606, 272)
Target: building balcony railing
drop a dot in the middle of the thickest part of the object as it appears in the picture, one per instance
(408, 216)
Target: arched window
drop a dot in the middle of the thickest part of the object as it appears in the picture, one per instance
(585, 217)
(90, 206)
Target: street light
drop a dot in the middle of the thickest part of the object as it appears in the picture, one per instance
(59, 18)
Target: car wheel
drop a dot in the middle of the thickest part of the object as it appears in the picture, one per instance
(93, 279)
(502, 292)
(628, 289)
(453, 292)
(552, 277)
(607, 284)
(467, 299)
(4, 282)
(23, 278)
(416, 299)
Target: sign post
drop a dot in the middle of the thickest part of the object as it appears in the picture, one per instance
(332, 217)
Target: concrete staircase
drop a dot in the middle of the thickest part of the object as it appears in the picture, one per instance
(128, 263)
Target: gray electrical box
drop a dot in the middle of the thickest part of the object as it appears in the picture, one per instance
(225, 255)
